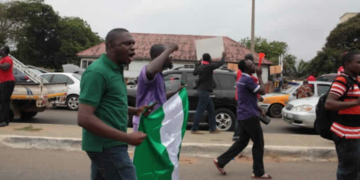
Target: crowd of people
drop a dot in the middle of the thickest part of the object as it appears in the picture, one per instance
(103, 112)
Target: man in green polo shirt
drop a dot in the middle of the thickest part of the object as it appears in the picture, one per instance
(104, 109)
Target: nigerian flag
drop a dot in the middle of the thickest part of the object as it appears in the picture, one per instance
(157, 158)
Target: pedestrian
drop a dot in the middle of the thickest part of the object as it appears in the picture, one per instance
(238, 75)
(104, 109)
(278, 82)
(304, 90)
(312, 77)
(151, 85)
(205, 70)
(346, 127)
(248, 113)
(7, 84)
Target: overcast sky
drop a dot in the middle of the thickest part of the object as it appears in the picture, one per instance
(303, 24)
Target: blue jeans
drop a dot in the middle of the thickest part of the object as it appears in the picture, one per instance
(205, 103)
(348, 151)
(112, 164)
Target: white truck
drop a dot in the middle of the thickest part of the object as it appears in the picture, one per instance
(35, 95)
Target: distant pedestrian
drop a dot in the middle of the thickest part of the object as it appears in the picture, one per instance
(344, 97)
(7, 84)
(248, 113)
(205, 86)
(304, 91)
(311, 78)
(278, 82)
(103, 111)
(151, 85)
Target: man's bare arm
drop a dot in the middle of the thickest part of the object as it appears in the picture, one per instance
(333, 103)
(88, 120)
(157, 64)
(5, 66)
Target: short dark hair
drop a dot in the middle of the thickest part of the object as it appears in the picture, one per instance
(242, 65)
(112, 35)
(348, 57)
(250, 57)
(156, 50)
(6, 49)
(206, 57)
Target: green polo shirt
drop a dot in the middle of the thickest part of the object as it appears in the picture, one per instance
(103, 87)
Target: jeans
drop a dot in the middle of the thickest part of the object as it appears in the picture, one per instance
(6, 90)
(236, 132)
(112, 164)
(348, 151)
(248, 129)
(205, 102)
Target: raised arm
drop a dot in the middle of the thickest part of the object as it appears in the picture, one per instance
(157, 64)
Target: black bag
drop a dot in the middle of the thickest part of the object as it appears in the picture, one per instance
(325, 118)
(266, 120)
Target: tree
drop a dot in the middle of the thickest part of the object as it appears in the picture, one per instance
(289, 64)
(272, 50)
(300, 70)
(75, 35)
(345, 37)
(8, 26)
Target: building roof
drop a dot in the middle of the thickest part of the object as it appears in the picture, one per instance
(187, 50)
(352, 13)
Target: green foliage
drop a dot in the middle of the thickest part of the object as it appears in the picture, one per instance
(345, 37)
(272, 49)
(41, 36)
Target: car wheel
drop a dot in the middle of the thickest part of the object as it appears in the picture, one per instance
(27, 115)
(72, 102)
(225, 119)
(275, 110)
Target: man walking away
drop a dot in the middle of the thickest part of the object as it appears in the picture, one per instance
(304, 91)
(249, 123)
(7, 84)
(151, 85)
(346, 127)
(205, 87)
(278, 82)
(104, 109)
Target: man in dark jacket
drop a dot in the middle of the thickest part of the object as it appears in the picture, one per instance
(205, 70)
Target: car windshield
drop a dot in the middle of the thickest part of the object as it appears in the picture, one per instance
(289, 88)
(77, 76)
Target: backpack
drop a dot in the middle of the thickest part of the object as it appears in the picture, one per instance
(325, 118)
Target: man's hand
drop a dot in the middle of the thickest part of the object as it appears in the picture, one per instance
(172, 47)
(224, 54)
(261, 99)
(262, 112)
(141, 110)
(258, 71)
(136, 138)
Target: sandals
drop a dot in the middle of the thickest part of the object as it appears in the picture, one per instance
(221, 170)
(265, 176)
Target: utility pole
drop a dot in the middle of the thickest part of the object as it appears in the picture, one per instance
(253, 29)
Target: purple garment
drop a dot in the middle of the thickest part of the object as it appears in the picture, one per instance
(149, 91)
(247, 98)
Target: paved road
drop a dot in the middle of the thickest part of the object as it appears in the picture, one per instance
(64, 116)
(59, 165)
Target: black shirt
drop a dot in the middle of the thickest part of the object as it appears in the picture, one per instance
(205, 73)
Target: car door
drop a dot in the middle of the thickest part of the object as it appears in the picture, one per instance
(47, 77)
(322, 89)
(227, 83)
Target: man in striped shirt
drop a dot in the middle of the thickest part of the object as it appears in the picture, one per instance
(346, 127)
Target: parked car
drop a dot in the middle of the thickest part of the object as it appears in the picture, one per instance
(223, 95)
(73, 81)
(19, 76)
(327, 77)
(274, 103)
(302, 112)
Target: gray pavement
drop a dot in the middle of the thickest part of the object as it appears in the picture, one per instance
(67, 117)
(59, 165)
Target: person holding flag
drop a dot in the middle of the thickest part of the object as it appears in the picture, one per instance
(151, 85)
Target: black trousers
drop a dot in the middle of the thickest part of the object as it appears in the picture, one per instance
(248, 129)
(6, 90)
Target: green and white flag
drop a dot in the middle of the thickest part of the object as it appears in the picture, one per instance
(157, 158)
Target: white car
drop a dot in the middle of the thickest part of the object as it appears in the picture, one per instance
(302, 112)
(73, 81)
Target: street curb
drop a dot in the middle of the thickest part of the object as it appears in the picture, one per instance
(190, 149)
